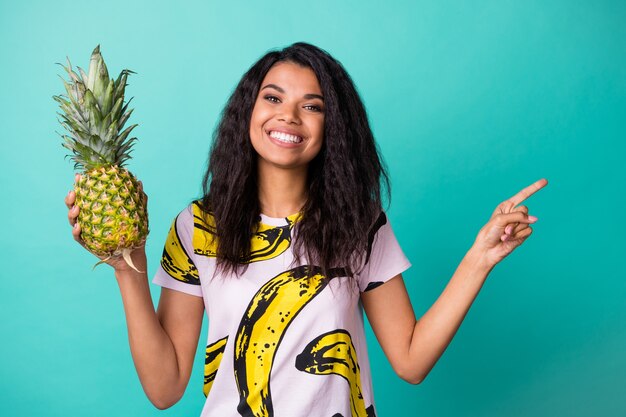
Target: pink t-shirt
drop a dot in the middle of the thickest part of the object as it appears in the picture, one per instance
(283, 340)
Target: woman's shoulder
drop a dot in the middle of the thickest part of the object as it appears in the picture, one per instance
(195, 215)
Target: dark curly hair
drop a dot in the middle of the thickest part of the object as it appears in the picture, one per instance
(344, 180)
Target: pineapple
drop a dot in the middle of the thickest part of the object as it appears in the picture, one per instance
(113, 215)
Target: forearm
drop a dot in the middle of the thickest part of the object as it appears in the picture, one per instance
(434, 331)
(151, 348)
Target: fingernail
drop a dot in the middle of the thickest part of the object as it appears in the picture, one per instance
(532, 218)
(75, 225)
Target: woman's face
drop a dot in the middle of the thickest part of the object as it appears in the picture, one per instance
(287, 123)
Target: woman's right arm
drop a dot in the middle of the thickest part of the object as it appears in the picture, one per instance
(162, 343)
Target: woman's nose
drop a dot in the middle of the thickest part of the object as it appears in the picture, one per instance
(289, 114)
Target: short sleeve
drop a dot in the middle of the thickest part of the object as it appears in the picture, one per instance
(384, 258)
(177, 270)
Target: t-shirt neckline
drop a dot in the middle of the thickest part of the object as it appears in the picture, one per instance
(279, 221)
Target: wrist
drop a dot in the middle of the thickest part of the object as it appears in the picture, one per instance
(479, 260)
(122, 268)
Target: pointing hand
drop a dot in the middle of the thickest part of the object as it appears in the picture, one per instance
(508, 227)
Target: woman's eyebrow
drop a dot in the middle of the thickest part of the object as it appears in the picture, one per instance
(275, 87)
(280, 90)
(310, 96)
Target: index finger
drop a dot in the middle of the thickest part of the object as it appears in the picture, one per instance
(528, 191)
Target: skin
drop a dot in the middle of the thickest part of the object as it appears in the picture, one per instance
(163, 342)
(289, 100)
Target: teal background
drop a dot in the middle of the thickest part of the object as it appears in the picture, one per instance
(469, 101)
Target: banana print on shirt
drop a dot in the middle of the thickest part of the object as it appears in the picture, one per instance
(212, 359)
(334, 353)
(267, 242)
(175, 260)
(261, 330)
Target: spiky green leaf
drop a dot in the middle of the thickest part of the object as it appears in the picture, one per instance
(83, 76)
(125, 133)
(94, 113)
(93, 67)
(108, 98)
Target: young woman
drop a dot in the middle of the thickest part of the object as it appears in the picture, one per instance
(284, 251)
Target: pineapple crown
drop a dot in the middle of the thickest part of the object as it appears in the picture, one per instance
(94, 113)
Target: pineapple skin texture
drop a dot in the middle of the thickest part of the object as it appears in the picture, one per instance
(113, 212)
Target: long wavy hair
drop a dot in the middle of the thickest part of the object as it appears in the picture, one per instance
(345, 180)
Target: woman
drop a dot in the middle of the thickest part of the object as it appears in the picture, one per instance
(289, 236)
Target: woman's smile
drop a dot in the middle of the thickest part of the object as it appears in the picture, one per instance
(285, 138)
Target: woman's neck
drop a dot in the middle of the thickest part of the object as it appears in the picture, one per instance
(282, 192)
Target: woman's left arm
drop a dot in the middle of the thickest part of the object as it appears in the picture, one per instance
(414, 346)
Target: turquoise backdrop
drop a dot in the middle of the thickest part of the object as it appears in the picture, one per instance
(469, 101)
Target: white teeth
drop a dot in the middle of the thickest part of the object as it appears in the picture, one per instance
(284, 137)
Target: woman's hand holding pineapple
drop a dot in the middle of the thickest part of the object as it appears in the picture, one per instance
(117, 262)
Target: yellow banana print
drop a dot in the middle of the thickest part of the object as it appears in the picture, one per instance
(262, 327)
(334, 353)
(213, 357)
(204, 232)
(175, 260)
(267, 242)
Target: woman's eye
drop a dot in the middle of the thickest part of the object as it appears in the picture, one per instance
(313, 107)
(273, 99)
